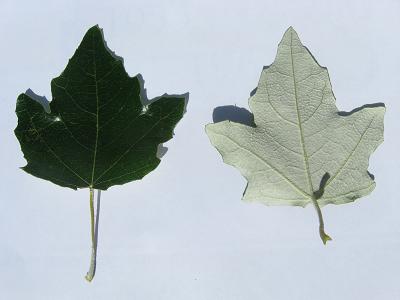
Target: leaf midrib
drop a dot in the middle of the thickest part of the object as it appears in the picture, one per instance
(97, 111)
(306, 163)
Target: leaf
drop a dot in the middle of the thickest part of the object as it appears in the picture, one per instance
(98, 133)
(302, 149)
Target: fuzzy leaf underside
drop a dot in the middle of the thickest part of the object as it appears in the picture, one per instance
(97, 133)
(300, 135)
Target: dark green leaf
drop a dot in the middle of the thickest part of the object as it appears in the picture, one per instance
(97, 133)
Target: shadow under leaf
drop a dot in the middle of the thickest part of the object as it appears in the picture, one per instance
(234, 114)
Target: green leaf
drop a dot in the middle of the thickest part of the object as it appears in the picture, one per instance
(98, 133)
(302, 149)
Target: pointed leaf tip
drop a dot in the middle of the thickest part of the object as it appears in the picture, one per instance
(290, 37)
(95, 27)
(290, 29)
(94, 31)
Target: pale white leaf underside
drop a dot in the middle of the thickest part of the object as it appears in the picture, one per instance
(300, 135)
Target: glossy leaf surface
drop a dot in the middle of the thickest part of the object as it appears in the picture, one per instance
(98, 133)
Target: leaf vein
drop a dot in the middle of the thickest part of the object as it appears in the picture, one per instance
(303, 193)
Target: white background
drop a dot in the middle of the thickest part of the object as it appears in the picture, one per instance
(183, 232)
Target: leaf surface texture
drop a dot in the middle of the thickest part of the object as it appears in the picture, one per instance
(299, 136)
(98, 132)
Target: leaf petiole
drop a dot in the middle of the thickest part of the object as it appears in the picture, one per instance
(322, 234)
(94, 226)
(317, 195)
